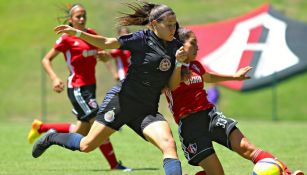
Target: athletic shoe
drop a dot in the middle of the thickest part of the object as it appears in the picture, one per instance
(42, 144)
(298, 172)
(120, 166)
(34, 134)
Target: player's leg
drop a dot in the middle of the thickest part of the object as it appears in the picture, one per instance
(241, 145)
(38, 127)
(212, 165)
(107, 111)
(73, 141)
(196, 143)
(157, 131)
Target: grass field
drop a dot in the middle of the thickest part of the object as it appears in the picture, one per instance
(287, 140)
(26, 34)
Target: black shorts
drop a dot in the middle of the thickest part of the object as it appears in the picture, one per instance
(198, 130)
(115, 112)
(84, 102)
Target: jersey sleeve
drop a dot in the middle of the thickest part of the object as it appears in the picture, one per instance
(60, 44)
(115, 53)
(132, 42)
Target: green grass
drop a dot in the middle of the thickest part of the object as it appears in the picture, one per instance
(286, 140)
(26, 32)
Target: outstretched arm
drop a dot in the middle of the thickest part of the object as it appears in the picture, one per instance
(241, 74)
(95, 40)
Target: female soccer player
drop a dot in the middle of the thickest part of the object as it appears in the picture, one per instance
(81, 58)
(153, 56)
(199, 122)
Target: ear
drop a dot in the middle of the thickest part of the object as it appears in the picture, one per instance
(154, 23)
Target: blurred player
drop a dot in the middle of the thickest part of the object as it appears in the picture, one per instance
(80, 58)
(122, 58)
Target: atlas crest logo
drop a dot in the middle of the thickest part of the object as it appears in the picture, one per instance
(264, 39)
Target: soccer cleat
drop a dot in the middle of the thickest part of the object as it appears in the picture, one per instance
(34, 134)
(298, 172)
(120, 166)
(42, 144)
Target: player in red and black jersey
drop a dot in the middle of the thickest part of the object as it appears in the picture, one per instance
(199, 123)
(81, 58)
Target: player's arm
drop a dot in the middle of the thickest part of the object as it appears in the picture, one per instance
(241, 74)
(57, 83)
(175, 78)
(95, 40)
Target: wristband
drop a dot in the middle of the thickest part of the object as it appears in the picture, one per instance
(179, 64)
(78, 33)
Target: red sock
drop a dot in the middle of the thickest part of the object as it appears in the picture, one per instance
(59, 127)
(201, 173)
(260, 154)
(107, 150)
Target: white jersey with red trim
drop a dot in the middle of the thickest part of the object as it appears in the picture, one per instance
(190, 96)
(80, 59)
(122, 58)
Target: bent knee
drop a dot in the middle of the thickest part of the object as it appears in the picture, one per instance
(86, 148)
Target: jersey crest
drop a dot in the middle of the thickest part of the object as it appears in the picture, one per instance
(165, 64)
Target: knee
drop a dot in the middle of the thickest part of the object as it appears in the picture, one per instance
(168, 144)
(86, 148)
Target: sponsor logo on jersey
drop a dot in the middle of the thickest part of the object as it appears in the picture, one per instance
(165, 64)
(88, 53)
(194, 79)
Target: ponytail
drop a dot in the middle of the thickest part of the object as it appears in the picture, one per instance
(144, 13)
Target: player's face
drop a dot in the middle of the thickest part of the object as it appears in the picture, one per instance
(166, 28)
(78, 18)
(191, 47)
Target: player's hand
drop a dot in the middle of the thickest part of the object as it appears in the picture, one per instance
(58, 85)
(241, 74)
(103, 56)
(181, 55)
(65, 29)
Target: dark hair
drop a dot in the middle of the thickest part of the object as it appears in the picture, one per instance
(144, 13)
(183, 34)
(68, 10)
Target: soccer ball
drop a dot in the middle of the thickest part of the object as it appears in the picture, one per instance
(268, 166)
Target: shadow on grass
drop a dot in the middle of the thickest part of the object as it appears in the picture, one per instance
(133, 169)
